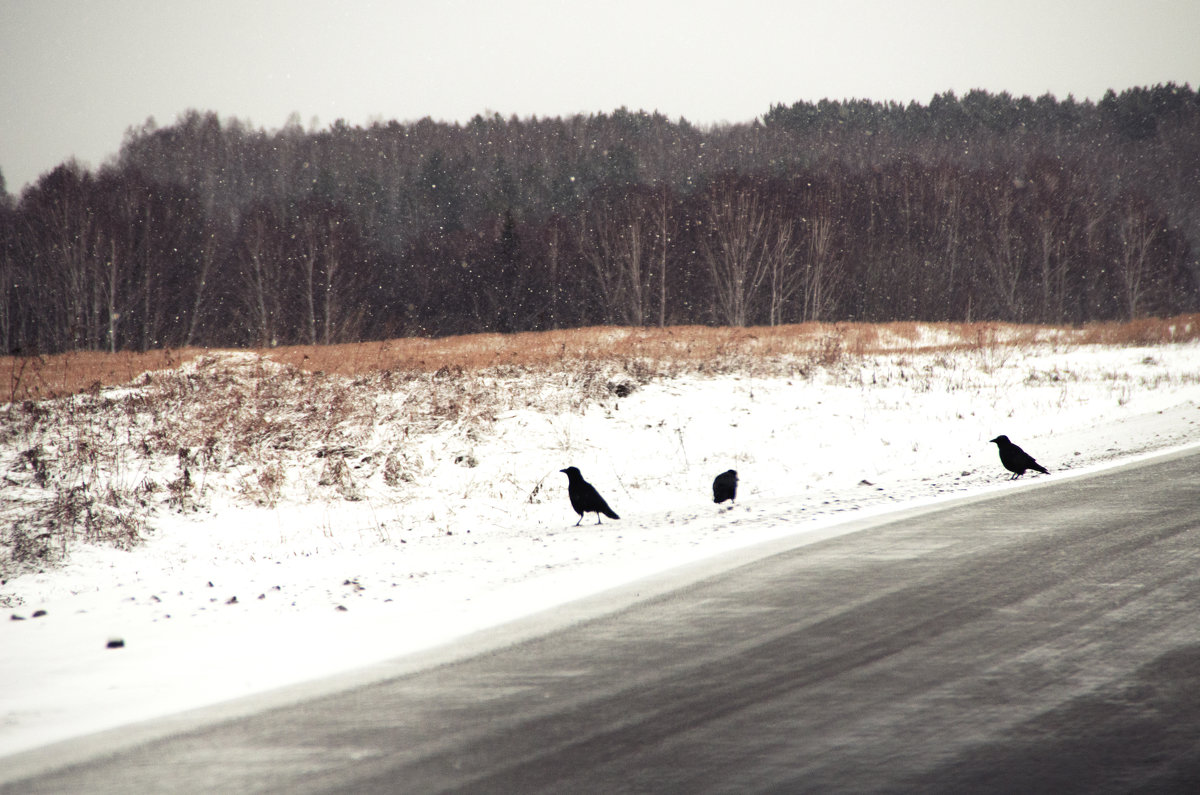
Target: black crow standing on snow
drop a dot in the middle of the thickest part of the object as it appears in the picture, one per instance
(725, 486)
(584, 496)
(1015, 459)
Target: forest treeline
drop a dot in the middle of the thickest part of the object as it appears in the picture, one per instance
(984, 207)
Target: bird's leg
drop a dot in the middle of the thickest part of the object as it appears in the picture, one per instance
(580, 520)
(597, 517)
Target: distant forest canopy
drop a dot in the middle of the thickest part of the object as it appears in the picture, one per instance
(984, 207)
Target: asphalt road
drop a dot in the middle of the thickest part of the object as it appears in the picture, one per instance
(1045, 640)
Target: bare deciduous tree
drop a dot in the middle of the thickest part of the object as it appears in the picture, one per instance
(820, 272)
(615, 238)
(259, 256)
(736, 228)
(665, 229)
(1137, 233)
(1001, 251)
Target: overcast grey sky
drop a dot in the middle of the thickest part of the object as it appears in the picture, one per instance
(75, 74)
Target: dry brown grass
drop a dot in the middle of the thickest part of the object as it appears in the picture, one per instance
(46, 377)
(700, 347)
(673, 349)
(1146, 331)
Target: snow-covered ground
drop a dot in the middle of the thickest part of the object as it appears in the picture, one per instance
(231, 598)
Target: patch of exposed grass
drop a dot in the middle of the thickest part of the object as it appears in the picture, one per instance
(669, 350)
(38, 377)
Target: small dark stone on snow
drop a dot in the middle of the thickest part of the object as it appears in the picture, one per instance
(16, 617)
(342, 608)
(116, 643)
(39, 613)
(232, 600)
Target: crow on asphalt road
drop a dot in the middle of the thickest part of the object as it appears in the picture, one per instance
(584, 496)
(1015, 459)
(725, 486)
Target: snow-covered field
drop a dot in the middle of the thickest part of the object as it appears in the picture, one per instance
(409, 527)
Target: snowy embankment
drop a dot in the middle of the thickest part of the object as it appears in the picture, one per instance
(408, 523)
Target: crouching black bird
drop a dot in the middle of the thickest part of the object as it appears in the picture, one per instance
(584, 496)
(1015, 459)
(725, 486)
